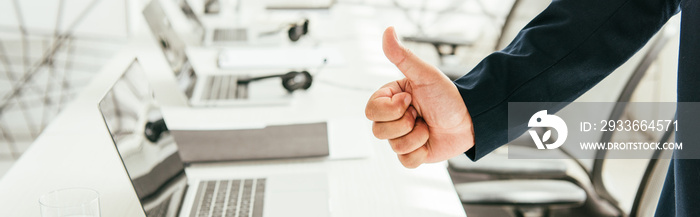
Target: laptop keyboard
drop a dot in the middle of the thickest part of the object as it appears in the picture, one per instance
(229, 198)
(221, 87)
(230, 35)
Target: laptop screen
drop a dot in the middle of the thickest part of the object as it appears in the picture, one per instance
(189, 13)
(149, 153)
(172, 45)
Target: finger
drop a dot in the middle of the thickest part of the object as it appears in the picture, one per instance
(415, 69)
(387, 108)
(388, 89)
(397, 128)
(415, 158)
(413, 140)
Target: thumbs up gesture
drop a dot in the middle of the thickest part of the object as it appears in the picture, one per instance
(423, 115)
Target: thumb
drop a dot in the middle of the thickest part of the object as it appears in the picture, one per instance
(414, 68)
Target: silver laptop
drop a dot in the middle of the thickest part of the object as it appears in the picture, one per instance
(215, 35)
(272, 56)
(207, 90)
(261, 33)
(152, 161)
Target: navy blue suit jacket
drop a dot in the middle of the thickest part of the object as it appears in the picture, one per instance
(567, 49)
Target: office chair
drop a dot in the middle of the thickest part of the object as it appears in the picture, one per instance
(541, 196)
(460, 164)
(529, 197)
(649, 190)
(523, 144)
(446, 47)
(497, 165)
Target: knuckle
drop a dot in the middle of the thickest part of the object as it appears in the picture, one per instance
(382, 111)
(422, 134)
(412, 165)
(408, 52)
(398, 109)
(377, 130)
(369, 112)
(409, 162)
(399, 146)
(407, 124)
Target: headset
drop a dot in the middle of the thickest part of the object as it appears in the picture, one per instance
(291, 81)
(294, 30)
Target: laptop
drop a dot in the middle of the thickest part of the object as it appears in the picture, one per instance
(162, 184)
(261, 33)
(208, 89)
(231, 89)
(216, 35)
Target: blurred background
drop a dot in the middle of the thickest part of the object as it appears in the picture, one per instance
(50, 49)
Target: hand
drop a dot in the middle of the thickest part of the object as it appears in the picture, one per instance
(423, 115)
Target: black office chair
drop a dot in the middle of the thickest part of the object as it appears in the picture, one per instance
(539, 197)
(529, 196)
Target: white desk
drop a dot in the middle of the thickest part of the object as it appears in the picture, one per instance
(76, 149)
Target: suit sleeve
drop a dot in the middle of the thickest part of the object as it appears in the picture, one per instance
(564, 51)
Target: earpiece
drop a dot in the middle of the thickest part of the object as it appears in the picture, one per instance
(297, 30)
(296, 80)
(153, 130)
